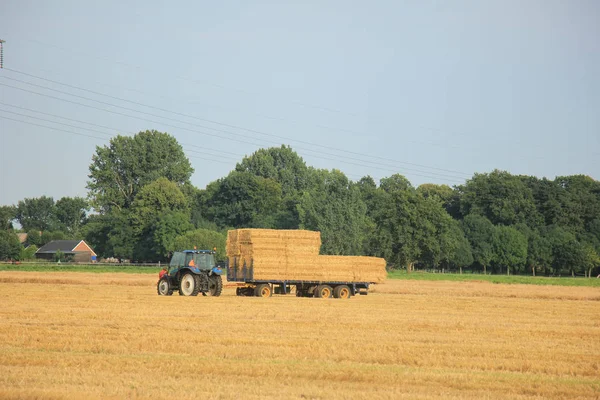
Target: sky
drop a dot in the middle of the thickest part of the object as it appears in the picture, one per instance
(433, 90)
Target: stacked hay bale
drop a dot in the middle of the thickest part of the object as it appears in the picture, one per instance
(294, 255)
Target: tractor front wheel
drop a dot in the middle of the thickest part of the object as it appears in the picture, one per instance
(215, 285)
(163, 287)
(189, 285)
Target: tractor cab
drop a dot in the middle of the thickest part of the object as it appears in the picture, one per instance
(197, 260)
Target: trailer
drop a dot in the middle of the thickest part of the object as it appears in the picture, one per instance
(303, 288)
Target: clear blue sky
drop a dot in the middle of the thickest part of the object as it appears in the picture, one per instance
(371, 88)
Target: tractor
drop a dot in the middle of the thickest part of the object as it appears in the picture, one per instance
(191, 272)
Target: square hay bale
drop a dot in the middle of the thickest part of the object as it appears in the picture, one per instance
(294, 255)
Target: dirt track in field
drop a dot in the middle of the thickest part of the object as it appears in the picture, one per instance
(82, 335)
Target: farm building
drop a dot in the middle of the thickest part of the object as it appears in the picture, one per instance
(79, 250)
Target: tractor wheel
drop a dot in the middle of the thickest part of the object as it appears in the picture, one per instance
(163, 287)
(341, 292)
(189, 285)
(263, 290)
(323, 291)
(215, 285)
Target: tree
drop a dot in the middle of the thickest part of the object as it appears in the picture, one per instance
(7, 215)
(463, 255)
(157, 239)
(159, 213)
(34, 238)
(333, 206)
(288, 169)
(510, 247)
(120, 170)
(110, 235)
(444, 194)
(202, 239)
(539, 249)
(591, 259)
(479, 231)
(280, 164)
(10, 247)
(501, 197)
(243, 200)
(580, 201)
(28, 253)
(394, 211)
(49, 236)
(568, 254)
(71, 213)
(37, 213)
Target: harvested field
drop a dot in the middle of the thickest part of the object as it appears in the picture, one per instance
(81, 335)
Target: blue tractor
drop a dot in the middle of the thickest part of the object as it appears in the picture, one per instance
(191, 272)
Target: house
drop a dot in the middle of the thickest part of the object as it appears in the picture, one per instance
(79, 250)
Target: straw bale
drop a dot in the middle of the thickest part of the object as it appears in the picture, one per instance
(294, 255)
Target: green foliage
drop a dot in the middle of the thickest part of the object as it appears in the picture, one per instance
(568, 254)
(479, 231)
(34, 238)
(243, 200)
(59, 256)
(510, 247)
(202, 239)
(159, 213)
(333, 206)
(28, 253)
(501, 197)
(10, 247)
(144, 204)
(7, 215)
(37, 213)
(280, 164)
(119, 170)
(71, 213)
(111, 235)
(47, 237)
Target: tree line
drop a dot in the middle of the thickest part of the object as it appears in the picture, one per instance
(143, 207)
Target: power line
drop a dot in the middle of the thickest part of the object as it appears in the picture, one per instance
(205, 133)
(179, 77)
(106, 127)
(211, 121)
(427, 174)
(84, 135)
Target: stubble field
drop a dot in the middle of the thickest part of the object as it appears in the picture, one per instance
(83, 335)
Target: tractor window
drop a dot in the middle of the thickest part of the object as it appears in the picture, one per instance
(178, 259)
(204, 261)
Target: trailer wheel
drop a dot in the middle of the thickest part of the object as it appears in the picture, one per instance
(189, 285)
(215, 285)
(263, 290)
(341, 292)
(163, 288)
(323, 291)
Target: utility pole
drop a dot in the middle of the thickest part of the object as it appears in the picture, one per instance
(1, 54)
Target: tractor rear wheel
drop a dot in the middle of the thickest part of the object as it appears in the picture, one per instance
(341, 292)
(263, 290)
(215, 285)
(189, 285)
(323, 291)
(163, 287)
